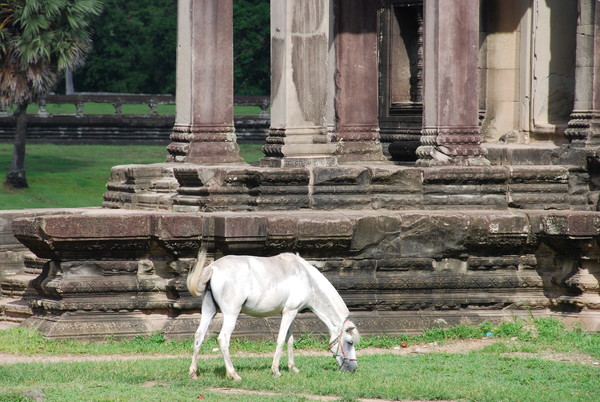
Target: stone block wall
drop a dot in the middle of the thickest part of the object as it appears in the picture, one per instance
(19, 266)
(122, 273)
(188, 188)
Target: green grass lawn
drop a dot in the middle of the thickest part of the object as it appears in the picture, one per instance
(491, 374)
(70, 176)
(107, 108)
(472, 376)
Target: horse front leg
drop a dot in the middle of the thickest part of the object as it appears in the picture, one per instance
(287, 317)
(209, 309)
(224, 339)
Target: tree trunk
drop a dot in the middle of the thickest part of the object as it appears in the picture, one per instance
(16, 173)
(69, 86)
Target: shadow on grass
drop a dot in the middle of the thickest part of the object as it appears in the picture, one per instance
(55, 164)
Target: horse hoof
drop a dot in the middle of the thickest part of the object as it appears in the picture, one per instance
(193, 375)
(295, 370)
(276, 374)
(234, 377)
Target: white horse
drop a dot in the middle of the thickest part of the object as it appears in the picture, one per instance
(266, 286)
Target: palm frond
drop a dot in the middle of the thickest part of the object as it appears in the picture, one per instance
(39, 39)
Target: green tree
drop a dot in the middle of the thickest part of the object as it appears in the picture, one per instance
(39, 40)
(252, 47)
(135, 46)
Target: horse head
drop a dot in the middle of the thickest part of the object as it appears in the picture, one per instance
(343, 347)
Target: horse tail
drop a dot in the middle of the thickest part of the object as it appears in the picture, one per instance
(199, 275)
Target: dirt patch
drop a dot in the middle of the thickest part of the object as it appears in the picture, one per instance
(574, 357)
(7, 358)
(235, 391)
(465, 346)
(453, 347)
(461, 346)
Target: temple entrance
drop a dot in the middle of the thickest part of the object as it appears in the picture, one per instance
(401, 77)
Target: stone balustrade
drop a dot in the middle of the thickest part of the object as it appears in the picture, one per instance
(151, 127)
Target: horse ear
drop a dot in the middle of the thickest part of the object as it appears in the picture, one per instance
(350, 328)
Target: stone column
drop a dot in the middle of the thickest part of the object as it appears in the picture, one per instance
(204, 131)
(450, 133)
(584, 126)
(299, 82)
(356, 79)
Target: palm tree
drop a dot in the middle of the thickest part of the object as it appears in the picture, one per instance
(39, 40)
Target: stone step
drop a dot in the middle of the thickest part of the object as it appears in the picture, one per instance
(14, 311)
(190, 188)
(17, 285)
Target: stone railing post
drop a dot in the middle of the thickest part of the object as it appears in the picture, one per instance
(584, 126)
(356, 79)
(42, 107)
(79, 108)
(204, 131)
(264, 110)
(450, 133)
(118, 105)
(299, 82)
(153, 105)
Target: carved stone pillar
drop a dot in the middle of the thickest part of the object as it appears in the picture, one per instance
(450, 107)
(584, 126)
(299, 84)
(204, 131)
(356, 102)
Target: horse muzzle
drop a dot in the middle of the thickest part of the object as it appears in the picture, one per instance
(349, 365)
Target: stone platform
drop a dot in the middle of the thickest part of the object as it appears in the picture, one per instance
(122, 272)
(193, 188)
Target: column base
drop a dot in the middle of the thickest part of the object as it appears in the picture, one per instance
(451, 147)
(358, 144)
(204, 145)
(298, 147)
(583, 128)
(455, 161)
(298, 162)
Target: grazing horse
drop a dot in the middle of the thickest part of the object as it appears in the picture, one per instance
(265, 286)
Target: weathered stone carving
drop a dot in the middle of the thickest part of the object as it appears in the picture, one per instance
(475, 265)
(450, 133)
(196, 188)
(584, 126)
(204, 131)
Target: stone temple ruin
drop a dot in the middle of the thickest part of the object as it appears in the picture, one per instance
(437, 160)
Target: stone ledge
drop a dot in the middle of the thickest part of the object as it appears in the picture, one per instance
(101, 326)
(194, 188)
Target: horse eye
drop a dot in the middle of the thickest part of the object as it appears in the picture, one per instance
(350, 342)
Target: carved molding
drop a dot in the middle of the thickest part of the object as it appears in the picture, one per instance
(582, 126)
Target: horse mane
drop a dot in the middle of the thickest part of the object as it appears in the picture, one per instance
(320, 282)
(350, 327)
(199, 275)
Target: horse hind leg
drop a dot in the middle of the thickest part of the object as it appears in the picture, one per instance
(290, 346)
(229, 321)
(209, 309)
